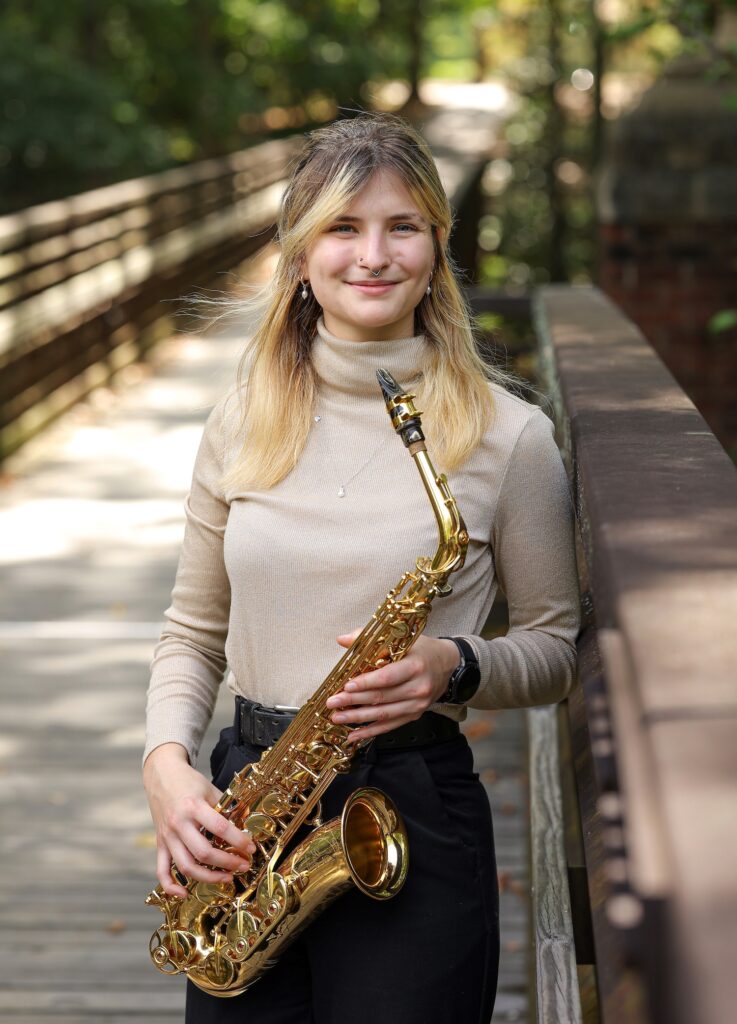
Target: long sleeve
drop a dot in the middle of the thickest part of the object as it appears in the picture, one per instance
(189, 660)
(533, 544)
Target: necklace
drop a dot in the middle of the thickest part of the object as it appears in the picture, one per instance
(342, 486)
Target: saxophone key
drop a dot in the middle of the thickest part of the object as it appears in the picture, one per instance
(273, 897)
(301, 775)
(218, 971)
(261, 826)
(172, 950)
(241, 932)
(275, 804)
(317, 754)
(216, 894)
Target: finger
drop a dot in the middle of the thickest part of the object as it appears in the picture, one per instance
(211, 855)
(367, 731)
(218, 825)
(187, 863)
(379, 713)
(411, 689)
(346, 639)
(163, 872)
(388, 675)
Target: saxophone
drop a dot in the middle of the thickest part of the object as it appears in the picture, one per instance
(224, 936)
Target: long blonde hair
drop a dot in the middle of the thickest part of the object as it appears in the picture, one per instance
(276, 382)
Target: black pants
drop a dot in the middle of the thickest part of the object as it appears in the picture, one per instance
(430, 954)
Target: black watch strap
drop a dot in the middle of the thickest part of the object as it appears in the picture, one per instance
(465, 679)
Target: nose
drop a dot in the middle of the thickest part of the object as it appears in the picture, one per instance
(374, 252)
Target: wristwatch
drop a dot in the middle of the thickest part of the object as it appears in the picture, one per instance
(465, 679)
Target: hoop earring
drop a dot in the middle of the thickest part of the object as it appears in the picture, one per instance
(305, 293)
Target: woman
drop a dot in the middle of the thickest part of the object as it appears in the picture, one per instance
(304, 509)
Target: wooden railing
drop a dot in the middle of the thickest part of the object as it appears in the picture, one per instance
(84, 280)
(648, 739)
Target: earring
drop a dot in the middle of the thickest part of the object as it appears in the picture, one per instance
(305, 293)
(429, 287)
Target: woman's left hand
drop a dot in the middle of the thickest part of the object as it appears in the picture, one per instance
(394, 694)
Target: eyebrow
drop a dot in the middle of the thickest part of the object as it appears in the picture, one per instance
(394, 216)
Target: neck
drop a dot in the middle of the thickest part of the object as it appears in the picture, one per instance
(404, 328)
(348, 368)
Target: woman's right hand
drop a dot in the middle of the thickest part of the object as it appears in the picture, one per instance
(182, 802)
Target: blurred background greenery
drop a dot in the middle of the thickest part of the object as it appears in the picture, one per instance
(97, 93)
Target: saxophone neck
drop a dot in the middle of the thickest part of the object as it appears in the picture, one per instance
(453, 536)
(452, 532)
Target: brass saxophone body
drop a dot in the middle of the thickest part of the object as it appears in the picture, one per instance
(224, 936)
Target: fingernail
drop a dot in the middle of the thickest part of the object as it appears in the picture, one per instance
(332, 702)
(338, 717)
(350, 686)
(244, 865)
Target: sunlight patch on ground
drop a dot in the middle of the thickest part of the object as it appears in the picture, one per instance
(59, 527)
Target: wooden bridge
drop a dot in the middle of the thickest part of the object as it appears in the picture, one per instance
(614, 841)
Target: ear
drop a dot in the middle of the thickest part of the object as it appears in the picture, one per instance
(441, 236)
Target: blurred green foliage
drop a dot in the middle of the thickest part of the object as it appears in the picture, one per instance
(574, 65)
(93, 93)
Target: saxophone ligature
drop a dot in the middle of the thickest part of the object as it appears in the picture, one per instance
(224, 936)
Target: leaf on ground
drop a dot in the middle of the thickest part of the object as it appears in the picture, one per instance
(509, 808)
(509, 884)
(479, 729)
(116, 926)
(147, 840)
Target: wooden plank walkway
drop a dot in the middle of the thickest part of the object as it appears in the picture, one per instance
(90, 526)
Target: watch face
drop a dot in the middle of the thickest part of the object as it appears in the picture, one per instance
(467, 682)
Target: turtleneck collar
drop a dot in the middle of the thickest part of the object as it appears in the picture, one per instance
(349, 367)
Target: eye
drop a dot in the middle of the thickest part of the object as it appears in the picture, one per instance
(339, 227)
(410, 226)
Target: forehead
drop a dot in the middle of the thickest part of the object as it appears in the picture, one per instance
(384, 193)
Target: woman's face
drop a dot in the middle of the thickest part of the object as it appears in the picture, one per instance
(382, 228)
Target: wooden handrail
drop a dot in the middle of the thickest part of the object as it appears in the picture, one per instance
(653, 722)
(82, 280)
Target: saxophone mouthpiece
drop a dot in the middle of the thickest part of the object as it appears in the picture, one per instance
(400, 406)
(389, 387)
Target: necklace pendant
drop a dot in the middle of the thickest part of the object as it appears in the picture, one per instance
(341, 491)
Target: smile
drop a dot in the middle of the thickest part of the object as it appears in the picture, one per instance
(373, 289)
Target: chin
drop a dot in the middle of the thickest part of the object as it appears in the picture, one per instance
(372, 313)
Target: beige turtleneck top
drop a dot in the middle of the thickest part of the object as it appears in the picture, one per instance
(268, 579)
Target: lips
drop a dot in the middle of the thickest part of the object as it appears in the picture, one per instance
(371, 284)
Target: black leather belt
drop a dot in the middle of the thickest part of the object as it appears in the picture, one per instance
(260, 726)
